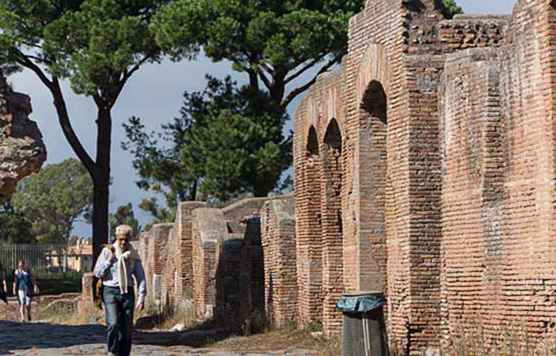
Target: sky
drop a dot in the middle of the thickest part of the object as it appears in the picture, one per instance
(154, 94)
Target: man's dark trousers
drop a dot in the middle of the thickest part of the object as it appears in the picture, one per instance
(119, 319)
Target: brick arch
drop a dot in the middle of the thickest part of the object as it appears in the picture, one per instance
(312, 148)
(371, 264)
(332, 225)
(373, 67)
(309, 234)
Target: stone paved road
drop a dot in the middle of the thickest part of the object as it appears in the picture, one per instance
(40, 338)
(54, 340)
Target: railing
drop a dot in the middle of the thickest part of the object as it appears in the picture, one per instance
(44, 258)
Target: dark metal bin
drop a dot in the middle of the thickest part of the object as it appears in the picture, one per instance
(363, 332)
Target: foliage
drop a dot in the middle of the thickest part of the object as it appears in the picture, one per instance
(97, 45)
(124, 215)
(274, 42)
(14, 226)
(227, 142)
(54, 199)
(160, 214)
(452, 8)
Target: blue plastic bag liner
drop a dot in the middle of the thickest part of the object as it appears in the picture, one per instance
(360, 302)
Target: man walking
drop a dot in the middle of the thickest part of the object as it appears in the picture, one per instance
(115, 266)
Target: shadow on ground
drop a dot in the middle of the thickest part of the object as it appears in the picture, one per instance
(16, 336)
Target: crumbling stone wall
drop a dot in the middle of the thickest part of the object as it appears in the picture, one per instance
(22, 151)
(210, 260)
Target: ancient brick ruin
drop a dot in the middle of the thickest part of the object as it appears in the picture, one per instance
(22, 151)
(424, 168)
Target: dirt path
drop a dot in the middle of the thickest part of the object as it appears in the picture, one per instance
(41, 338)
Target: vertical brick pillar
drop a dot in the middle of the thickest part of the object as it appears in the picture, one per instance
(280, 278)
(184, 263)
(309, 233)
(160, 233)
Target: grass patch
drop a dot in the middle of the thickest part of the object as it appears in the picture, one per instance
(280, 339)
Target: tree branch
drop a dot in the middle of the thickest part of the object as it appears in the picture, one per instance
(69, 133)
(23, 60)
(265, 80)
(304, 69)
(268, 68)
(126, 77)
(294, 93)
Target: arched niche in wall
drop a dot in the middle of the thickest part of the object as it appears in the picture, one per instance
(372, 178)
(332, 224)
(309, 235)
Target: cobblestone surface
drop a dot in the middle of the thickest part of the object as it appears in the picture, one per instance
(41, 338)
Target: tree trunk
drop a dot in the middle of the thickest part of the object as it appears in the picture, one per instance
(101, 181)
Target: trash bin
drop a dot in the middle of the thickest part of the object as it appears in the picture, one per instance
(363, 332)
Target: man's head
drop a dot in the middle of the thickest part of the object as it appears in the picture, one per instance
(123, 236)
(21, 264)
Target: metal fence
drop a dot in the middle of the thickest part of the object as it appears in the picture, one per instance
(41, 258)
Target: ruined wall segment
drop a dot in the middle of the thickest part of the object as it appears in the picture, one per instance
(183, 253)
(158, 255)
(209, 227)
(498, 262)
(279, 246)
(473, 164)
(528, 92)
(318, 185)
(390, 179)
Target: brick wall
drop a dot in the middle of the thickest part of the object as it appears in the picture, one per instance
(183, 251)
(279, 247)
(382, 197)
(209, 226)
(497, 193)
(319, 173)
(251, 272)
(210, 258)
(158, 254)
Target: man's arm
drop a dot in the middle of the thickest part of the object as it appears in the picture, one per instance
(104, 262)
(139, 274)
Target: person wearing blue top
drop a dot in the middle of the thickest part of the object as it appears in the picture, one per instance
(116, 266)
(23, 288)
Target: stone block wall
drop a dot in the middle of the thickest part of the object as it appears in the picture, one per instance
(280, 277)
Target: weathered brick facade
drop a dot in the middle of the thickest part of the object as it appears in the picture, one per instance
(429, 159)
(424, 168)
(210, 258)
(280, 273)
